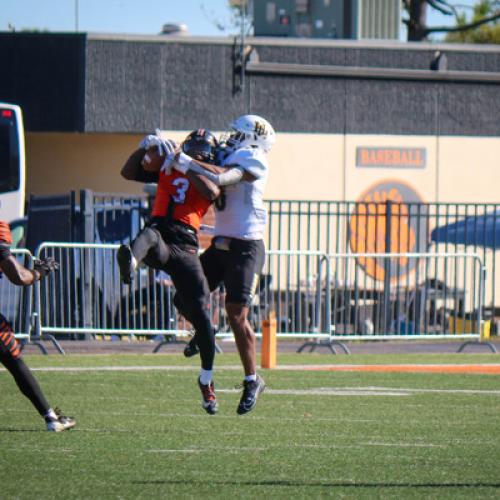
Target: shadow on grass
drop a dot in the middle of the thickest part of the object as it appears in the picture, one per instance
(326, 485)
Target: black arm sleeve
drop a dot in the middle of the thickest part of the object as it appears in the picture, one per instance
(143, 176)
(4, 252)
(133, 170)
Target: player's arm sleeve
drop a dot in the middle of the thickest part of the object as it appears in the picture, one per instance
(247, 160)
(133, 171)
(4, 251)
(230, 176)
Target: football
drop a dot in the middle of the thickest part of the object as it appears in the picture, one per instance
(153, 160)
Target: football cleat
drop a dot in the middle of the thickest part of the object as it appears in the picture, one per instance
(208, 401)
(61, 423)
(251, 391)
(191, 349)
(124, 257)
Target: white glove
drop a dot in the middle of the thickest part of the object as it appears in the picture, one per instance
(167, 165)
(168, 146)
(150, 141)
(182, 162)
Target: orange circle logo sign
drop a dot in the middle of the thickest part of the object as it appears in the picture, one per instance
(388, 219)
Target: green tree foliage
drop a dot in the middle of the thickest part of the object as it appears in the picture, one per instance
(485, 33)
(483, 28)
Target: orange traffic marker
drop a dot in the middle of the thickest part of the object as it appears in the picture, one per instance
(268, 352)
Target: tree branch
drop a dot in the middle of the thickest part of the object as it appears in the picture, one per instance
(464, 27)
(443, 7)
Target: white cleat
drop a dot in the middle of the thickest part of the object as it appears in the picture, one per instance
(59, 424)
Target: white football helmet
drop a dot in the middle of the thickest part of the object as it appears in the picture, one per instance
(251, 130)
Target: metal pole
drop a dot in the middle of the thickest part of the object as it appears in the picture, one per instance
(387, 269)
(482, 281)
(76, 16)
(242, 50)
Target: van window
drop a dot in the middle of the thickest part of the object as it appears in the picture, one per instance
(9, 152)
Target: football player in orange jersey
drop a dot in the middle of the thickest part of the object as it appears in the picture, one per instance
(10, 350)
(170, 240)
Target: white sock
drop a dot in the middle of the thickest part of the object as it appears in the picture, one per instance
(134, 263)
(206, 376)
(50, 414)
(251, 378)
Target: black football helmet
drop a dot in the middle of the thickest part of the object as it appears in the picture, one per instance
(201, 145)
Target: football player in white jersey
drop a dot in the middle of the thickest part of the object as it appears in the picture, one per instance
(236, 254)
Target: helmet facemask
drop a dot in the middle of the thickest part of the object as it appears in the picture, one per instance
(201, 145)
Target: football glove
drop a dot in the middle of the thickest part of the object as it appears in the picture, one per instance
(150, 141)
(45, 266)
(168, 147)
(167, 165)
(182, 162)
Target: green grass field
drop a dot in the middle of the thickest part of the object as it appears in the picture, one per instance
(142, 433)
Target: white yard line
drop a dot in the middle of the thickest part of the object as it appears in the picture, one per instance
(243, 449)
(321, 391)
(405, 445)
(209, 449)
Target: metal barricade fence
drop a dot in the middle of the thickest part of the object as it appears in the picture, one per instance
(291, 286)
(325, 297)
(86, 297)
(17, 301)
(405, 295)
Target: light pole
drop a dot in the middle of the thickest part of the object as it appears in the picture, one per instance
(76, 15)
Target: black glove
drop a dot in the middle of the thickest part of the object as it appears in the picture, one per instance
(46, 266)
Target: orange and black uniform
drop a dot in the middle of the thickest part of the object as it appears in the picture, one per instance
(170, 243)
(10, 349)
(178, 201)
(8, 343)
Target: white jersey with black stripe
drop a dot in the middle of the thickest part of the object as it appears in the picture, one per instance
(244, 215)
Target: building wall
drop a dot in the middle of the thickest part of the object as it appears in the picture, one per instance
(88, 99)
(137, 85)
(131, 85)
(303, 166)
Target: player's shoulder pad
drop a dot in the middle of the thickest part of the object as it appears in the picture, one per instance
(249, 159)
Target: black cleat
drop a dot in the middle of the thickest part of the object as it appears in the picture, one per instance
(191, 349)
(251, 392)
(124, 258)
(208, 401)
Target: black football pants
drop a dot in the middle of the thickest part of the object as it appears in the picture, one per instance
(10, 357)
(183, 265)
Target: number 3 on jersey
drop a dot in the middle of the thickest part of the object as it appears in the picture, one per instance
(182, 185)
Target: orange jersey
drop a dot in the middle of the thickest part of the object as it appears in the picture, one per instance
(179, 198)
(5, 234)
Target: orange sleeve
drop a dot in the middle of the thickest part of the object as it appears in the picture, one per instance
(5, 234)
